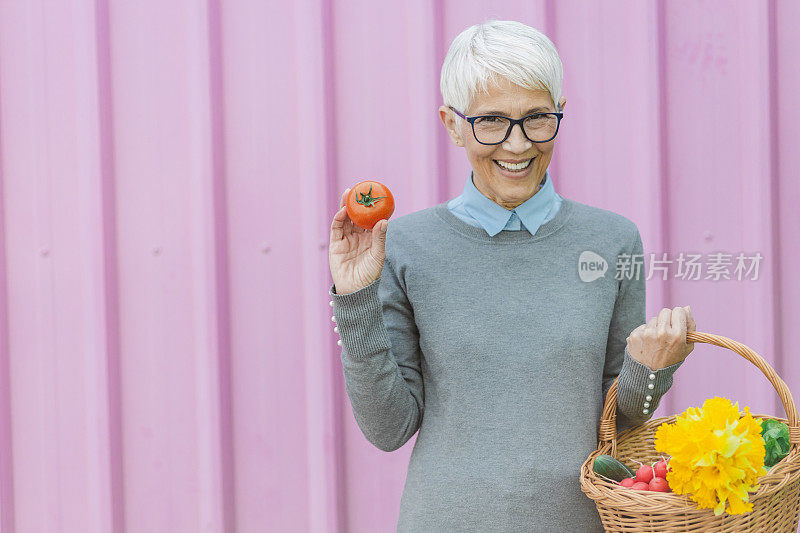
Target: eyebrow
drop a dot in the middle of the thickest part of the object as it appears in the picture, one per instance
(528, 112)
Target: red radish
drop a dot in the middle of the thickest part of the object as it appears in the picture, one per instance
(659, 484)
(640, 485)
(627, 482)
(645, 474)
(660, 468)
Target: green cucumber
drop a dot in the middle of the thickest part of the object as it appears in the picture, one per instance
(611, 468)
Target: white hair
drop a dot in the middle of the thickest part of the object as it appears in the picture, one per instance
(519, 53)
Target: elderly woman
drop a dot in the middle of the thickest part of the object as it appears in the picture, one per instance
(483, 321)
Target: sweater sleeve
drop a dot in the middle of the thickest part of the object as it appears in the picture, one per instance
(639, 389)
(381, 359)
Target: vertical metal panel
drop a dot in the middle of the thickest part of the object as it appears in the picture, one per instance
(211, 291)
(29, 273)
(271, 212)
(172, 348)
(168, 173)
(785, 113)
(313, 42)
(6, 456)
(104, 285)
(718, 151)
(56, 360)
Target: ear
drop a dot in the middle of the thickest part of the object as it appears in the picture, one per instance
(450, 124)
(563, 102)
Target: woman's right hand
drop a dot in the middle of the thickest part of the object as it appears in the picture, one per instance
(355, 255)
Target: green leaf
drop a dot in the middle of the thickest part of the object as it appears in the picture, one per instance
(776, 441)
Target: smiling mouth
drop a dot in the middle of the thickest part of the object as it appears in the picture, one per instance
(520, 167)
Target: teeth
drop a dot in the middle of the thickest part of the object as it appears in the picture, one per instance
(510, 166)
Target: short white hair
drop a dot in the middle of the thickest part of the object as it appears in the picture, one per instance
(519, 53)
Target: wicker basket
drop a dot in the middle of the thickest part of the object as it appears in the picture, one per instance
(776, 504)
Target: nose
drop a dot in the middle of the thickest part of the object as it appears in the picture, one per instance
(517, 142)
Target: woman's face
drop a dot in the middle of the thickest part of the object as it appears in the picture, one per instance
(513, 101)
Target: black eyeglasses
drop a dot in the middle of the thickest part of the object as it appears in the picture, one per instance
(495, 129)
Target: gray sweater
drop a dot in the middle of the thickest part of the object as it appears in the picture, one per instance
(500, 354)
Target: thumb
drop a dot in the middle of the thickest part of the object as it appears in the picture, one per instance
(379, 234)
(690, 323)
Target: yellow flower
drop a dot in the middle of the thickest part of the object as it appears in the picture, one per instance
(717, 455)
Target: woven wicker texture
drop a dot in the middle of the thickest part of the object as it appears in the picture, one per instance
(776, 504)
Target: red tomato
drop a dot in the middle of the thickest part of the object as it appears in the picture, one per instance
(640, 485)
(659, 484)
(644, 474)
(628, 482)
(368, 202)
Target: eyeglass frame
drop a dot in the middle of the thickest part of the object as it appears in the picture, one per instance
(513, 122)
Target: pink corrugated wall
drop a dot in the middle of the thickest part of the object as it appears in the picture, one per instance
(168, 173)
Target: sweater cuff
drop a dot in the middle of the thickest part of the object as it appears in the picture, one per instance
(359, 319)
(640, 388)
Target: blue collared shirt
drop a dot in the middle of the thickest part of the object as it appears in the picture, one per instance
(477, 210)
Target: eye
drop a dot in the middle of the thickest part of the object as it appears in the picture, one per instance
(489, 120)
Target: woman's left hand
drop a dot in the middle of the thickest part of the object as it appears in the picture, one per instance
(662, 341)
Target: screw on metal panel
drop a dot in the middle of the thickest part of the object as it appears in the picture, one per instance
(156, 250)
(44, 250)
(707, 235)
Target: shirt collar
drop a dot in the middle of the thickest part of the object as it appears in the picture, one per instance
(494, 217)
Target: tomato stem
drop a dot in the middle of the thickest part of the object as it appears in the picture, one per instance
(367, 200)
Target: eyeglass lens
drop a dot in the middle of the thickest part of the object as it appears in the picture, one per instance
(541, 128)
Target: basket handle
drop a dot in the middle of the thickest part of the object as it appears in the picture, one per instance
(608, 423)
